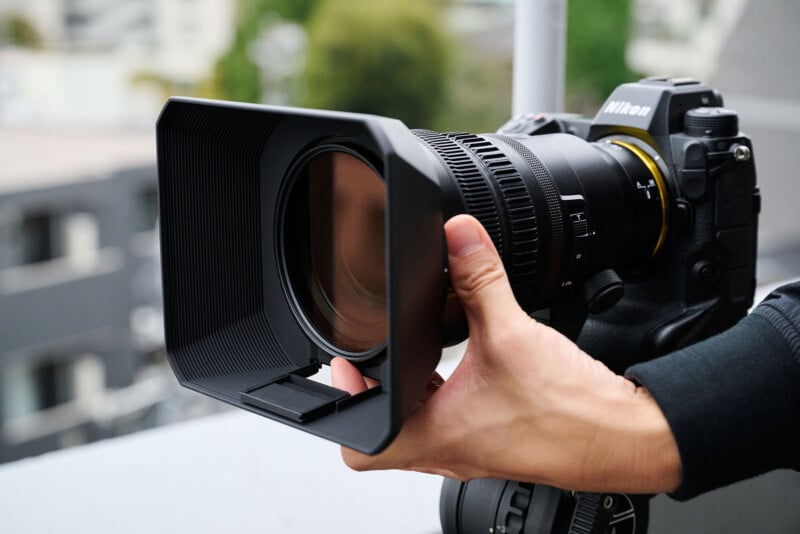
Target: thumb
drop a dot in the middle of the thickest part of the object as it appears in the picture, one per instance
(477, 273)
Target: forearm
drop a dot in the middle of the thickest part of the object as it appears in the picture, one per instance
(656, 459)
(572, 423)
(621, 436)
(732, 401)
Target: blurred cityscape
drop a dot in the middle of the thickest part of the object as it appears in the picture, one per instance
(81, 85)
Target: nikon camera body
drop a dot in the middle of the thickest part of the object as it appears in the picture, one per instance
(699, 277)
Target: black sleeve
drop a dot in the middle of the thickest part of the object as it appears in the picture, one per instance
(733, 401)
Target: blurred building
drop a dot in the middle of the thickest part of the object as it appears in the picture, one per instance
(682, 37)
(79, 294)
(96, 57)
(81, 334)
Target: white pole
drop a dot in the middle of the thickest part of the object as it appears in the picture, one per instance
(540, 29)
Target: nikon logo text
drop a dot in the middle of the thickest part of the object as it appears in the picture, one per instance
(623, 107)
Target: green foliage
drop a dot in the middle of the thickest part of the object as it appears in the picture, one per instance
(597, 35)
(294, 10)
(479, 99)
(235, 75)
(21, 32)
(387, 57)
(392, 57)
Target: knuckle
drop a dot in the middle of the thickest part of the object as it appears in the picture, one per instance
(480, 275)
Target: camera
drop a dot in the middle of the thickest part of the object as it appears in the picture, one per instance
(292, 236)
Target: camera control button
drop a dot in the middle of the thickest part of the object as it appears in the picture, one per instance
(693, 183)
(694, 155)
(580, 226)
(602, 290)
(711, 122)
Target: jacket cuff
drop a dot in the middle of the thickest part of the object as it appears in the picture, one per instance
(732, 402)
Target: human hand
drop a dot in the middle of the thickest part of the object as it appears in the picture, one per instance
(524, 403)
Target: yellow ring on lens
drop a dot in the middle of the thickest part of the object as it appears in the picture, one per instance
(660, 183)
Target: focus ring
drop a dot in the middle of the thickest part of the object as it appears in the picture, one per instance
(523, 231)
(478, 198)
(548, 188)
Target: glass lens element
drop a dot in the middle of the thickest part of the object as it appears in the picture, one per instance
(341, 204)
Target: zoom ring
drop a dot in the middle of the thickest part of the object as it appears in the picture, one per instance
(478, 198)
(518, 206)
(549, 190)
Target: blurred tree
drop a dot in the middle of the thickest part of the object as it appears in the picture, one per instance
(392, 57)
(479, 96)
(597, 35)
(294, 10)
(388, 57)
(236, 76)
(19, 31)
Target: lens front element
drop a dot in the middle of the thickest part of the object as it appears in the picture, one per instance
(334, 244)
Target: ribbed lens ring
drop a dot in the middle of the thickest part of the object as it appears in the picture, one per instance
(523, 231)
(478, 198)
(499, 187)
(549, 192)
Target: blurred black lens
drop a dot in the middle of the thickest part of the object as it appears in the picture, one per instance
(334, 246)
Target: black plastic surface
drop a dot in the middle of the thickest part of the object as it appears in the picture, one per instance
(295, 397)
(229, 320)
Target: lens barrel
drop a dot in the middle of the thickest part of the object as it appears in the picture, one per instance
(559, 211)
(557, 208)
(491, 505)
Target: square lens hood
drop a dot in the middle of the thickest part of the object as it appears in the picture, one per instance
(231, 332)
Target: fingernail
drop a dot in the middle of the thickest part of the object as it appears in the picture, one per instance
(463, 238)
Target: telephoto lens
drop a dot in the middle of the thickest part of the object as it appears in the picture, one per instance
(559, 209)
(533, 194)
